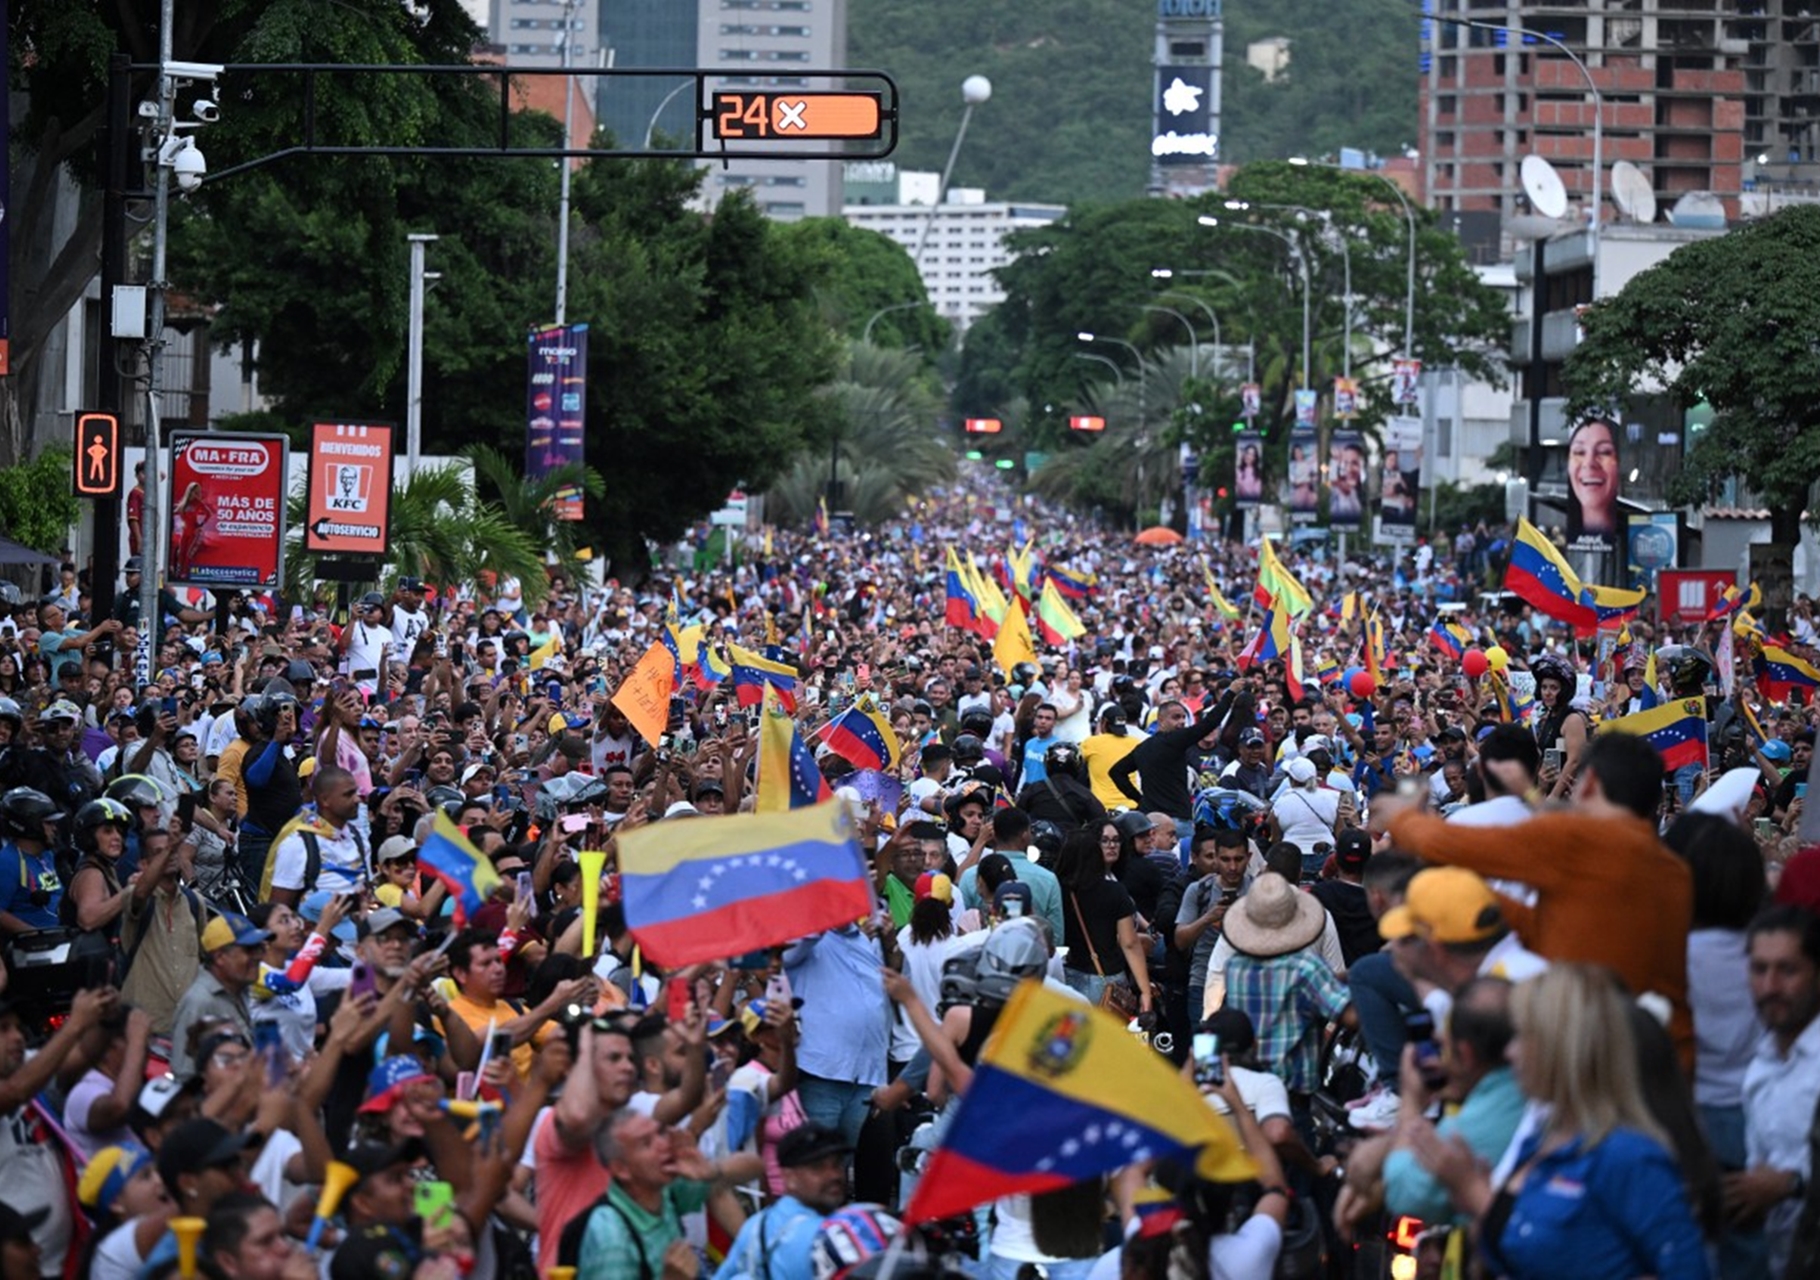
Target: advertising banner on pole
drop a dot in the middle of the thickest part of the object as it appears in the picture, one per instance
(226, 502)
(1346, 398)
(1250, 400)
(1400, 479)
(1346, 480)
(1307, 399)
(349, 508)
(1304, 476)
(1405, 382)
(1248, 468)
(556, 397)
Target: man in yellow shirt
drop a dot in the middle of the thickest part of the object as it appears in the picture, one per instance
(1111, 744)
(480, 979)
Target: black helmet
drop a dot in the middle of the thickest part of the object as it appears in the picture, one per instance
(135, 791)
(101, 813)
(978, 723)
(1549, 667)
(1132, 823)
(23, 813)
(373, 600)
(968, 750)
(299, 673)
(1046, 837)
(443, 795)
(1063, 759)
(1688, 668)
(1025, 673)
(270, 704)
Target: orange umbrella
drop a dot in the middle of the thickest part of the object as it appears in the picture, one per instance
(1158, 536)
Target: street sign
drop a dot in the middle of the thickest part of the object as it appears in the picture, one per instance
(97, 468)
(227, 509)
(742, 117)
(349, 509)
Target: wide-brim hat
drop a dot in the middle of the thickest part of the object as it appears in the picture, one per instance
(1274, 918)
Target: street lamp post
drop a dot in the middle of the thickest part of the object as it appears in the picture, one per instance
(1302, 211)
(413, 395)
(1143, 414)
(866, 335)
(1194, 346)
(974, 90)
(1409, 216)
(1302, 264)
(651, 127)
(568, 115)
(1213, 319)
(1598, 125)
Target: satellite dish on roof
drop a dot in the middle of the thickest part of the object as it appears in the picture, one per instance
(1543, 187)
(1631, 192)
(1698, 209)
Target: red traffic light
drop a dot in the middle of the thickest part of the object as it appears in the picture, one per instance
(1087, 422)
(97, 468)
(984, 426)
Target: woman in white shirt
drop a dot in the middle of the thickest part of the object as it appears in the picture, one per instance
(1304, 815)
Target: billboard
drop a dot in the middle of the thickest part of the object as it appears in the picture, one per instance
(226, 501)
(1186, 129)
(1304, 476)
(1400, 479)
(349, 508)
(556, 397)
(1594, 478)
(1248, 468)
(1688, 595)
(1346, 480)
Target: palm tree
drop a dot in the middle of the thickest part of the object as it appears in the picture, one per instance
(887, 450)
(1132, 463)
(531, 504)
(442, 532)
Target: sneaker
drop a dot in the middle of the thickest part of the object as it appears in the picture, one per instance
(1378, 1115)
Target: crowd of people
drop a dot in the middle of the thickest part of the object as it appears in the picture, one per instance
(1439, 955)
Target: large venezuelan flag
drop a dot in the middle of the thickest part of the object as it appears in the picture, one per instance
(1779, 672)
(787, 775)
(752, 675)
(963, 607)
(1539, 574)
(707, 888)
(862, 735)
(1677, 729)
(1450, 638)
(1076, 584)
(1063, 1093)
(467, 873)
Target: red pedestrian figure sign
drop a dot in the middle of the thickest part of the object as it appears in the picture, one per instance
(97, 455)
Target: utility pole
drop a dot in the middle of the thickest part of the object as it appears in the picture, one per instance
(568, 119)
(156, 523)
(413, 396)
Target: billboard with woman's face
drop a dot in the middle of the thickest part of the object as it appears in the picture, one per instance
(1248, 468)
(1593, 479)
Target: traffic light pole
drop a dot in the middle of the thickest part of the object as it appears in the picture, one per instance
(108, 398)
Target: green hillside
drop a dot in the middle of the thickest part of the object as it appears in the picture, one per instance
(1069, 116)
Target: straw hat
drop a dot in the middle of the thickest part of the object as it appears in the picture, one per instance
(1274, 918)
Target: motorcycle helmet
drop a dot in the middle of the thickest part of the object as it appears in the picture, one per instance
(1064, 760)
(299, 673)
(1688, 668)
(1133, 824)
(978, 723)
(1014, 951)
(1047, 838)
(1549, 667)
(23, 813)
(102, 813)
(968, 750)
(271, 703)
(9, 710)
(1025, 674)
(134, 792)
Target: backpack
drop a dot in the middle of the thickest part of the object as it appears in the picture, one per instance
(568, 1247)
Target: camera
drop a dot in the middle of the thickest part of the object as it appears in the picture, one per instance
(206, 111)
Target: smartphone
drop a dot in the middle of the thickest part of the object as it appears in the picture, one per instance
(1767, 829)
(863, 674)
(362, 983)
(501, 793)
(778, 988)
(678, 994)
(501, 1045)
(412, 777)
(433, 1203)
(573, 822)
(524, 887)
(678, 709)
(1801, 791)
(168, 706)
(296, 615)
(553, 691)
(1420, 1027)
(1207, 1069)
(1554, 758)
(720, 716)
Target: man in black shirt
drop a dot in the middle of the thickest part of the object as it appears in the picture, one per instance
(1162, 762)
(1344, 897)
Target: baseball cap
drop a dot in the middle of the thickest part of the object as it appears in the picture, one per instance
(809, 1142)
(396, 848)
(933, 884)
(1317, 742)
(1300, 770)
(62, 709)
(386, 1083)
(196, 1145)
(158, 1094)
(108, 1172)
(1014, 889)
(369, 1158)
(1234, 1028)
(383, 919)
(1352, 848)
(1445, 904)
(311, 909)
(230, 930)
(474, 770)
(1251, 738)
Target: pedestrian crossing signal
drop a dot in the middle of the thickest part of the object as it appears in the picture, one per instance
(97, 455)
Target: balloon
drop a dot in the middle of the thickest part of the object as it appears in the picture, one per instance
(1350, 674)
(1362, 685)
(1475, 663)
(1497, 658)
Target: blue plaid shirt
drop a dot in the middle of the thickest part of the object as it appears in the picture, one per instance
(1289, 999)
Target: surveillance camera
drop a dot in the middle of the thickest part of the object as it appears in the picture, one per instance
(205, 111)
(148, 110)
(194, 70)
(188, 166)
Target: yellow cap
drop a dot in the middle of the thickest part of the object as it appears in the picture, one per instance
(1445, 904)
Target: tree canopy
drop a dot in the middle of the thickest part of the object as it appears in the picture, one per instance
(1733, 321)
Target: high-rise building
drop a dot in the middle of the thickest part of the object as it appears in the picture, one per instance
(530, 32)
(1671, 74)
(764, 44)
(647, 33)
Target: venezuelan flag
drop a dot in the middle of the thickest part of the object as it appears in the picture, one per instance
(708, 888)
(862, 735)
(1732, 601)
(1076, 584)
(1450, 638)
(963, 605)
(1277, 587)
(1677, 729)
(993, 604)
(752, 675)
(1055, 619)
(787, 776)
(1779, 672)
(1539, 574)
(711, 668)
(1293, 677)
(466, 872)
(1063, 1093)
(1273, 640)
